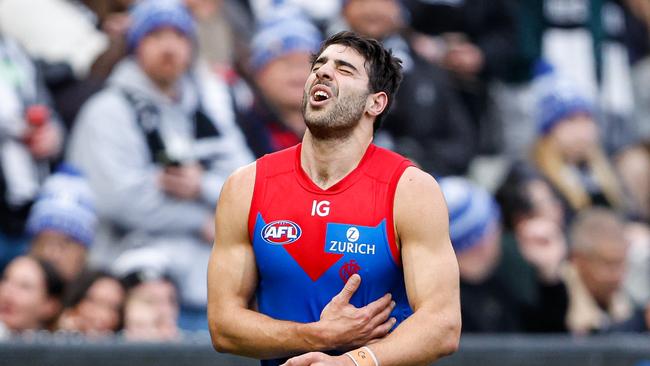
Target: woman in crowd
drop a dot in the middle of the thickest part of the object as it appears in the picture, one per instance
(93, 305)
(30, 296)
(568, 151)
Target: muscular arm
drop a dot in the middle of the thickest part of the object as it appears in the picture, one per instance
(430, 273)
(431, 276)
(232, 280)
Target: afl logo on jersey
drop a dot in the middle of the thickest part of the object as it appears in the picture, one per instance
(281, 232)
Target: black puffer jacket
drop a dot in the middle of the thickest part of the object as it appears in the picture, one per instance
(427, 121)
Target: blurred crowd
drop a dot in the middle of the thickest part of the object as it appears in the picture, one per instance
(121, 119)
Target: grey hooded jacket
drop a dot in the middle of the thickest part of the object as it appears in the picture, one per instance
(111, 148)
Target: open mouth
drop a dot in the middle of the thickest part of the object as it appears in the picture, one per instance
(320, 94)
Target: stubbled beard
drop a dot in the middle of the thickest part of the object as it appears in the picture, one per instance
(338, 121)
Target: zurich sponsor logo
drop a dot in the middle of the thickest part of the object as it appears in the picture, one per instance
(352, 234)
(281, 232)
(349, 239)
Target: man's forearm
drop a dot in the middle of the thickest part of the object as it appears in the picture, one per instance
(249, 333)
(421, 339)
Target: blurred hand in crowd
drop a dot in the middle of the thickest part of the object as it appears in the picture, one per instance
(44, 141)
(429, 47)
(116, 24)
(183, 181)
(463, 57)
(543, 245)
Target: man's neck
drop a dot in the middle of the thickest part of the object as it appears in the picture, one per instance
(326, 162)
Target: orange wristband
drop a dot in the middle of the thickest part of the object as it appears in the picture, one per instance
(363, 357)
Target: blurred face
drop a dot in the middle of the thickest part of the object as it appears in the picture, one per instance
(477, 263)
(634, 168)
(67, 255)
(373, 18)
(282, 80)
(159, 294)
(151, 312)
(545, 203)
(101, 308)
(576, 136)
(603, 270)
(24, 303)
(164, 55)
(336, 92)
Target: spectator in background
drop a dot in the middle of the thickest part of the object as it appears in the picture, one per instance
(321, 13)
(151, 310)
(280, 60)
(525, 193)
(30, 296)
(586, 39)
(568, 150)
(533, 218)
(31, 137)
(490, 299)
(70, 93)
(156, 146)
(62, 222)
(633, 167)
(223, 31)
(595, 274)
(56, 31)
(638, 23)
(76, 43)
(641, 79)
(480, 33)
(93, 305)
(473, 39)
(637, 280)
(427, 121)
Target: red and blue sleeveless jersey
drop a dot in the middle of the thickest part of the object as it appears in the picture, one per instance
(309, 241)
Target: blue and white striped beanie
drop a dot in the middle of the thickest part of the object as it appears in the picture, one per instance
(472, 211)
(287, 32)
(557, 98)
(149, 15)
(65, 204)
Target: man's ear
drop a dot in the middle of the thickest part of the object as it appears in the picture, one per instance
(376, 103)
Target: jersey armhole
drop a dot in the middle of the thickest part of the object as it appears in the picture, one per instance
(390, 222)
(258, 188)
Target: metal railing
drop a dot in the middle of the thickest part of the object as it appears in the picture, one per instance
(196, 350)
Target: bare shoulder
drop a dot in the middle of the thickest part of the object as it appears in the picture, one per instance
(419, 206)
(236, 196)
(417, 188)
(240, 183)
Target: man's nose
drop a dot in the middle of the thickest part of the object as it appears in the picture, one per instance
(325, 72)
